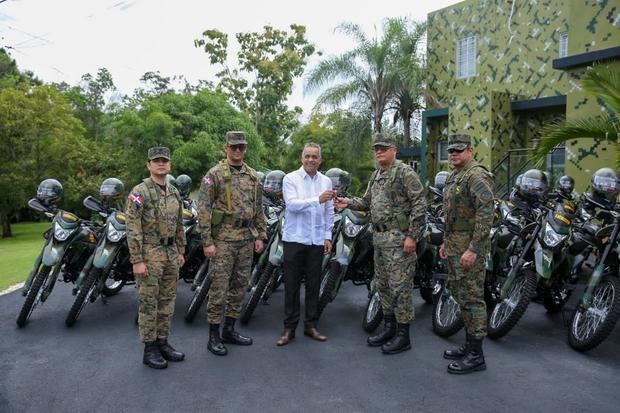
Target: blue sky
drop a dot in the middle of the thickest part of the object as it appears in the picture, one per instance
(60, 40)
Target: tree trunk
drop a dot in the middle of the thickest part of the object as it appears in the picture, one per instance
(407, 130)
(6, 225)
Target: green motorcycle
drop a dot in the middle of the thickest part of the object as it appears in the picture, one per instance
(69, 243)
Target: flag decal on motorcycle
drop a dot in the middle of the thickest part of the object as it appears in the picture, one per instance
(136, 199)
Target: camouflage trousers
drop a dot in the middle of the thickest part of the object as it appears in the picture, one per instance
(394, 272)
(467, 288)
(230, 270)
(157, 294)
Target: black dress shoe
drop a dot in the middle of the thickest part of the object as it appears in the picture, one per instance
(152, 356)
(168, 352)
(400, 342)
(215, 345)
(388, 332)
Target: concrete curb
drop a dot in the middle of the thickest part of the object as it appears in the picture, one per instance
(12, 288)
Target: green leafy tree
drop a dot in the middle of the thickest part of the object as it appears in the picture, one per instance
(267, 64)
(40, 138)
(603, 82)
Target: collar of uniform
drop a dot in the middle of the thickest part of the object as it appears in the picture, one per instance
(466, 167)
(233, 170)
(394, 165)
(305, 175)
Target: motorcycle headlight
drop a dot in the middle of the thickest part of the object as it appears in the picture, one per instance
(115, 235)
(551, 237)
(62, 234)
(351, 230)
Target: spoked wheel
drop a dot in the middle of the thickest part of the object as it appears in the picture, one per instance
(509, 311)
(373, 314)
(256, 293)
(447, 319)
(34, 296)
(200, 295)
(83, 297)
(589, 327)
(328, 289)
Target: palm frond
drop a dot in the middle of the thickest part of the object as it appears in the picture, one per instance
(601, 127)
(331, 69)
(604, 83)
(337, 95)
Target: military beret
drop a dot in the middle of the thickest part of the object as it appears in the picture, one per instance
(159, 152)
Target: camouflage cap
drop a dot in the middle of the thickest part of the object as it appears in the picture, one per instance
(159, 152)
(459, 142)
(384, 140)
(236, 138)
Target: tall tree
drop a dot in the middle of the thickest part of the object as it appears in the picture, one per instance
(260, 83)
(39, 138)
(603, 82)
(364, 75)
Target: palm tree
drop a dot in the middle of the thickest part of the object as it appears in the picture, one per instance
(603, 82)
(364, 74)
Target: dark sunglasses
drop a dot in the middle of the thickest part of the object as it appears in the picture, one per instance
(235, 148)
(380, 148)
(456, 150)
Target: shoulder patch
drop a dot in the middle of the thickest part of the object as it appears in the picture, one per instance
(486, 196)
(207, 180)
(136, 199)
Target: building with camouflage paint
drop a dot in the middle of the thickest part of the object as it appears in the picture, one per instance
(502, 68)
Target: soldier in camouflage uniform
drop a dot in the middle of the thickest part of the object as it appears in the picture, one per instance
(156, 244)
(232, 225)
(468, 209)
(395, 198)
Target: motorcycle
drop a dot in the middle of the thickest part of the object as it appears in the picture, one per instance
(69, 243)
(267, 272)
(599, 307)
(108, 268)
(555, 268)
(352, 255)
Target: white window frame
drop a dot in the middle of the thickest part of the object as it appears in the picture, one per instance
(466, 57)
(563, 44)
(439, 157)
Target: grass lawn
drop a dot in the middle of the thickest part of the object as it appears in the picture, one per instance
(17, 254)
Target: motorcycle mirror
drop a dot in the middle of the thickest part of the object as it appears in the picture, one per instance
(38, 206)
(93, 204)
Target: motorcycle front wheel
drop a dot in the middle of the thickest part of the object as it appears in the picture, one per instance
(509, 311)
(84, 296)
(373, 314)
(447, 319)
(256, 293)
(33, 296)
(590, 327)
(200, 295)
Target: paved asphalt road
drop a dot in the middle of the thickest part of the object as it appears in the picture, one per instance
(96, 365)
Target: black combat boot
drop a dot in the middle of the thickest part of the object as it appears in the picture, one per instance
(389, 329)
(215, 345)
(152, 356)
(230, 336)
(400, 342)
(473, 359)
(168, 352)
(457, 353)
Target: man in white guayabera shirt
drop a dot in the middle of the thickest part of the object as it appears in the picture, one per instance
(308, 222)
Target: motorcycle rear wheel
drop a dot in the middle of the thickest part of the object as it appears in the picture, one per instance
(589, 328)
(373, 314)
(509, 311)
(447, 319)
